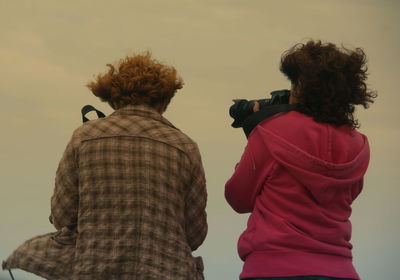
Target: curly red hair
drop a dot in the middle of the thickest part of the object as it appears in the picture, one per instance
(137, 79)
(330, 81)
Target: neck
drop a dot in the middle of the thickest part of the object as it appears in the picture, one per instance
(160, 107)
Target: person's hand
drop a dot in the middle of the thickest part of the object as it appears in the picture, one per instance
(256, 107)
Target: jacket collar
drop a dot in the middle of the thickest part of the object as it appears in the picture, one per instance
(142, 110)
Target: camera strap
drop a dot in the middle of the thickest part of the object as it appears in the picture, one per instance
(89, 108)
(254, 119)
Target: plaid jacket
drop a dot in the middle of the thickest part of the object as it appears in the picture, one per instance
(129, 203)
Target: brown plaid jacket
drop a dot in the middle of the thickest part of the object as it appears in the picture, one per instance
(129, 203)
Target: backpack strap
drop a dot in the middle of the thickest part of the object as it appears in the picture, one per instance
(89, 108)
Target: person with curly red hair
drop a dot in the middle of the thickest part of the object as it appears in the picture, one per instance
(138, 80)
(130, 194)
(301, 170)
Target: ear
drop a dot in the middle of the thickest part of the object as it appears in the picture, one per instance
(295, 93)
(296, 89)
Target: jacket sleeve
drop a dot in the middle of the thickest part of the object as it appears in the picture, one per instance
(250, 174)
(195, 203)
(65, 199)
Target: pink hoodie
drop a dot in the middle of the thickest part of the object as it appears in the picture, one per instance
(298, 179)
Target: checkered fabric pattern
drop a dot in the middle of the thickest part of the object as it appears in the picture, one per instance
(129, 203)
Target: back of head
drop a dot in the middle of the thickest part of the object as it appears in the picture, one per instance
(137, 79)
(328, 81)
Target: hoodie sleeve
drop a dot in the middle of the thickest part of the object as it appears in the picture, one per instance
(250, 174)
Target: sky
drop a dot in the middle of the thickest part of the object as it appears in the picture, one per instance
(223, 49)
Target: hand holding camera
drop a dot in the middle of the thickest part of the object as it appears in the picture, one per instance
(248, 113)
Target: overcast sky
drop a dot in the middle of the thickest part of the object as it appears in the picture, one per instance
(223, 49)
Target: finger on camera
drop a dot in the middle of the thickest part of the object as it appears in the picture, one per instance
(256, 107)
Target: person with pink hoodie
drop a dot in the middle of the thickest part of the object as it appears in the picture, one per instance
(302, 169)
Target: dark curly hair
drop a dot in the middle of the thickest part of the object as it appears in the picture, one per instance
(329, 81)
(137, 79)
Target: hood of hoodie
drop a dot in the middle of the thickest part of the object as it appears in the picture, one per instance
(322, 176)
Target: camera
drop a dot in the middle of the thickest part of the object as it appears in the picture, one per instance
(242, 108)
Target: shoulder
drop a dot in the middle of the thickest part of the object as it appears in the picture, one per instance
(88, 130)
(179, 140)
(294, 124)
(291, 124)
(137, 126)
(323, 140)
(175, 137)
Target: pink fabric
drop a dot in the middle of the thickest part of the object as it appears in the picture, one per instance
(298, 179)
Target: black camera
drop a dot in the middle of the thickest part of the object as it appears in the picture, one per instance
(242, 108)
